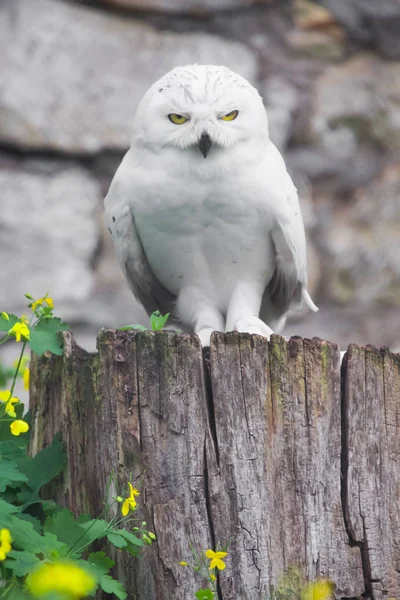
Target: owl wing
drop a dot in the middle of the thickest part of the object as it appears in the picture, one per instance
(288, 283)
(131, 256)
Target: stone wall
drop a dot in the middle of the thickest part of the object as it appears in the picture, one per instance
(72, 74)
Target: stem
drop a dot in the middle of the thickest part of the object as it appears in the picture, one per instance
(7, 589)
(111, 527)
(17, 369)
(88, 529)
(81, 549)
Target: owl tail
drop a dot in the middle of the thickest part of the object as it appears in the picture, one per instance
(308, 301)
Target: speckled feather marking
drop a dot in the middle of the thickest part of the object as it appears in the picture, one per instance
(199, 83)
(208, 234)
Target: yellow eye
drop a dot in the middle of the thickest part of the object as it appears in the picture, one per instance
(177, 119)
(230, 116)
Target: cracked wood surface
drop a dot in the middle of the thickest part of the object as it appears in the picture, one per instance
(261, 444)
(371, 424)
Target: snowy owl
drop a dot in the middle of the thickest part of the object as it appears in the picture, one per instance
(204, 217)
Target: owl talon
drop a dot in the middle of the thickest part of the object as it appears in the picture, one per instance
(253, 325)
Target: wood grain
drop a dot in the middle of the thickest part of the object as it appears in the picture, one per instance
(266, 446)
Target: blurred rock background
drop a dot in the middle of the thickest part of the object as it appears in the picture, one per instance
(72, 73)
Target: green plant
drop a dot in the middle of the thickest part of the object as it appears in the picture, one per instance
(157, 323)
(292, 585)
(289, 586)
(207, 564)
(44, 550)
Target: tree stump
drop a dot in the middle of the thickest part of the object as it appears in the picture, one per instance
(270, 446)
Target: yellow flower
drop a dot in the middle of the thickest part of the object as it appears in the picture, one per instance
(183, 563)
(26, 378)
(212, 577)
(20, 329)
(18, 427)
(61, 577)
(9, 400)
(24, 360)
(216, 559)
(130, 502)
(318, 590)
(5, 543)
(39, 302)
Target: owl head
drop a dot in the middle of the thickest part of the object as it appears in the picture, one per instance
(202, 111)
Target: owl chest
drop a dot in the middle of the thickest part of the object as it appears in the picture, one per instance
(203, 212)
(200, 235)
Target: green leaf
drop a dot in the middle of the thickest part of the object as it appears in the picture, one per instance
(5, 432)
(112, 586)
(132, 539)
(132, 543)
(18, 592)
(26, 538)
(9, 472)
(67, 530)
(37, 526)
(84, 518)
(6, 510)
(42, 468)
(117, 540)
(22, 563)
(99, 563)
(157, 320)
(95, 529)
(45, 337)
(6, 324)
(128, 327)
(12, 448)
(204, 594)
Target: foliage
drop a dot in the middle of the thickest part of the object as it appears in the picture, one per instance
(207, 565)
(293, 586)
(289, 586)
(41, 332)
(44, 549)
(47, 553)
(157, 323)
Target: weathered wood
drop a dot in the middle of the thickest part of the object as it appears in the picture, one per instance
(371, 421)
(258, 445)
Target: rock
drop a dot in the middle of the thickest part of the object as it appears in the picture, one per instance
(336, 165)
(362, 242)
(361, 95)
(49, 232)
(375, 23)
(281, 101)
(317, 32)
(75, 75)
(308, 15)
(318, 44)
(198, 7)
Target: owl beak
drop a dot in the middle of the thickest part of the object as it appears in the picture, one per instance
(205, 144)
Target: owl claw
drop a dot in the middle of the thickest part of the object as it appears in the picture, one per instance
(253, 325)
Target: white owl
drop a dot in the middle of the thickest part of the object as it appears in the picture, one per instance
(204, 217)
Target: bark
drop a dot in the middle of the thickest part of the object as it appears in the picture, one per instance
(265, 445)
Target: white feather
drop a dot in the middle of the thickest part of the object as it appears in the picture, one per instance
(219, 241)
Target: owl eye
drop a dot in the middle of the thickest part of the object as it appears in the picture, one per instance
(177, 119)
(230, 116)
